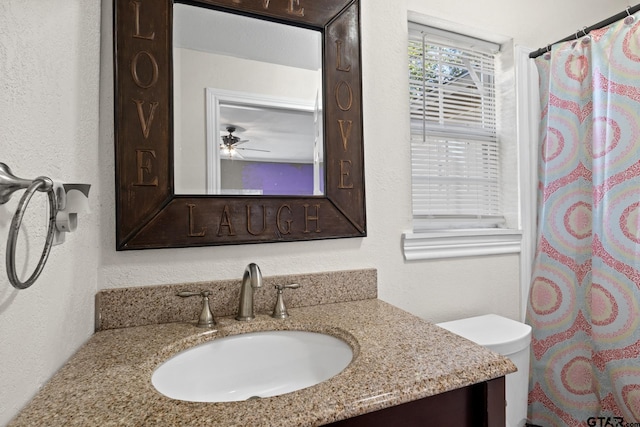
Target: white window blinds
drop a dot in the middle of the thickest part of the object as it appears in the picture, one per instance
(454, 147)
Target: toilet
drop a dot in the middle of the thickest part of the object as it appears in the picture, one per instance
(511, 339)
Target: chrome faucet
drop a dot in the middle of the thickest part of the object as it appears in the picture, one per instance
(251, 280)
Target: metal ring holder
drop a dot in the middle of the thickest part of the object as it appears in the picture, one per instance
(9, 183)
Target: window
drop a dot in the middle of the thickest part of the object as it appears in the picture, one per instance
(456, 160)
(454, 146)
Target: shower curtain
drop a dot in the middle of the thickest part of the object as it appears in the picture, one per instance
(584, 303)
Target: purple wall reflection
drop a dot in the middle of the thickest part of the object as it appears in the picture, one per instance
(280, 178)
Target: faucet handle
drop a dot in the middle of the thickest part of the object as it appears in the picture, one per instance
(206, 316)
(280, 311)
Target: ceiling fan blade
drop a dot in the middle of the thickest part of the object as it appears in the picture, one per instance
(252, 149)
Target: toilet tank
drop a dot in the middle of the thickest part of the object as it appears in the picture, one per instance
(508, 338)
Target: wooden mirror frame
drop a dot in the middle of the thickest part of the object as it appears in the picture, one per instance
(148, 212)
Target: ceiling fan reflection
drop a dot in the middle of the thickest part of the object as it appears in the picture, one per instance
(229, 146)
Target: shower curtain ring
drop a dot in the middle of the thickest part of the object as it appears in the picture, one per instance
(629, 19)
(587, 38)
(575, 42)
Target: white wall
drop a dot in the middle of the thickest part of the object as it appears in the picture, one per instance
(49, 81)
(49, 58)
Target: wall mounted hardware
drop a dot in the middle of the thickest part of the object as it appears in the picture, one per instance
(65, 202)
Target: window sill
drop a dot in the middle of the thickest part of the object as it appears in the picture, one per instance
(460, 243)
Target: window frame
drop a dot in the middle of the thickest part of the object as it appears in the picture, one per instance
(447, 238)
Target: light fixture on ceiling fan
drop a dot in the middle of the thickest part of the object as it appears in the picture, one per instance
(229, 146)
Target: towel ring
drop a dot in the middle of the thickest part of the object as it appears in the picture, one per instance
(42, 183)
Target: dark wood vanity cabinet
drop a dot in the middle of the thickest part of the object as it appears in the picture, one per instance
(478, 405)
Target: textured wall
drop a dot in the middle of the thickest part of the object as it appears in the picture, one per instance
(49, 75)
(49, 59)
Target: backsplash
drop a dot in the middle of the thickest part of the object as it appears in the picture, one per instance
(137, 306)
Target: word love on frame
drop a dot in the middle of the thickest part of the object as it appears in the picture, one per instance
(148, 212)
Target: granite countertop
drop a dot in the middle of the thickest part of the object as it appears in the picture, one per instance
(397, 358)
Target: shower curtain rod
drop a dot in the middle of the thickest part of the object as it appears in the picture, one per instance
(609, 21)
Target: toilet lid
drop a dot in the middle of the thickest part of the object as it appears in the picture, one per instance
(502, 335)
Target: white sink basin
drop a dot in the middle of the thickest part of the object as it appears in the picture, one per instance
(258, 364)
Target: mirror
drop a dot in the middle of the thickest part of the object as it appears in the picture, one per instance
(158, 203)
(267, 90)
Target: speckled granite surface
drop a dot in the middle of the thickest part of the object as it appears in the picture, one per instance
(398, 358)
(126, 307)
